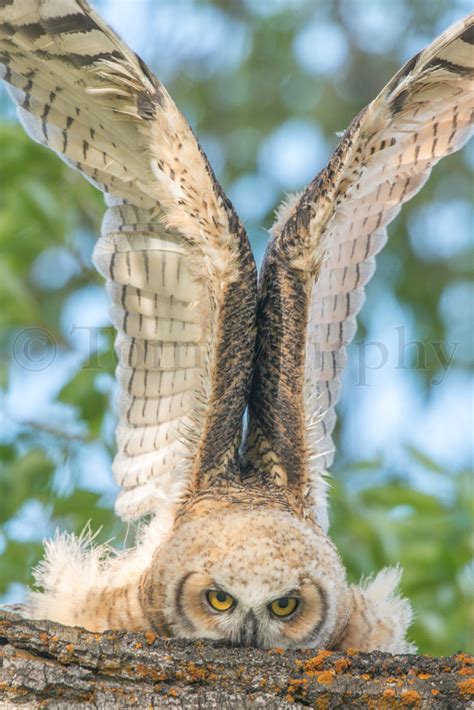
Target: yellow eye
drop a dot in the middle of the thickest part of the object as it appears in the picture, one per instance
(220, 601)
(284, 606)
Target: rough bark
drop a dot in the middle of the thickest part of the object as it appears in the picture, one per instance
(48, 665)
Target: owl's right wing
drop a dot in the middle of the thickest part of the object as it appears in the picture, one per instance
(180, 274)
(322, 255)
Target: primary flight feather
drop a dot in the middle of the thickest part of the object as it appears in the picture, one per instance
(237, 545)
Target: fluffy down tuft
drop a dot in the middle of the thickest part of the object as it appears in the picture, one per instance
(83, 583)
(380, 616)
(384, 594)
(285, 210)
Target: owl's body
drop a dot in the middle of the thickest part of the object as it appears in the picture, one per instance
(237, 545)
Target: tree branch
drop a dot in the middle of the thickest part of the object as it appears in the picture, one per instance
(48, 665)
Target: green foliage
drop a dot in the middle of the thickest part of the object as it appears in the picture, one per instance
(430, 538)
(45, 204)
(39, 454)
(81, 392)
(33, 183)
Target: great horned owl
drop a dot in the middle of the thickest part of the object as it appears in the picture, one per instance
(237, 547)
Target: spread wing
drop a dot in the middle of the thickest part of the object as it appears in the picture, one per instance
(179, 271)
(322, 254)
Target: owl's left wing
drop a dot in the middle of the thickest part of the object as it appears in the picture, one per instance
(322, 254)
(180, 273)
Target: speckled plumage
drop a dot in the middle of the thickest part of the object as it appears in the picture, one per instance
(197, 342)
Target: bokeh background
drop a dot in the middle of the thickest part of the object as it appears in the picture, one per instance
(265, 84)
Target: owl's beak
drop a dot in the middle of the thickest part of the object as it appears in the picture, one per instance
(248, 633)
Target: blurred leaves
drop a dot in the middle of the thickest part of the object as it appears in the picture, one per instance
(82, 393)
(51, 474)
(431, 539)
(21, 478)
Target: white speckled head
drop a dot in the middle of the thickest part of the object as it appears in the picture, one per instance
(280, 581)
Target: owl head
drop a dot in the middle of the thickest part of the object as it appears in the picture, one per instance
(269, 580)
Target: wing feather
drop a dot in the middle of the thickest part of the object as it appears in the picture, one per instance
(178, 268)
(323, 250)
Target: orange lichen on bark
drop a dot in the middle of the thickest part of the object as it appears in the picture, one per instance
(466, 670)
(342, 664)
(325, 677)
(424, 676)
(351, 651)
(151, 673)
(410, 697)
(315, 663)
(466, 686)
(298, 682)
(389, 693)
(465, 658)
(191, 673)
(324, 702)
(150, 637)
(297, 687)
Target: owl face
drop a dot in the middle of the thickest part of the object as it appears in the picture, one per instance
(250, 578)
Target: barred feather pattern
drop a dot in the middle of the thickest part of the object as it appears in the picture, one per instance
(161, 368)
(172, 250)
(330, 234)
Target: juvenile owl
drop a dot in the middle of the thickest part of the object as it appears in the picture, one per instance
(236, 545)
